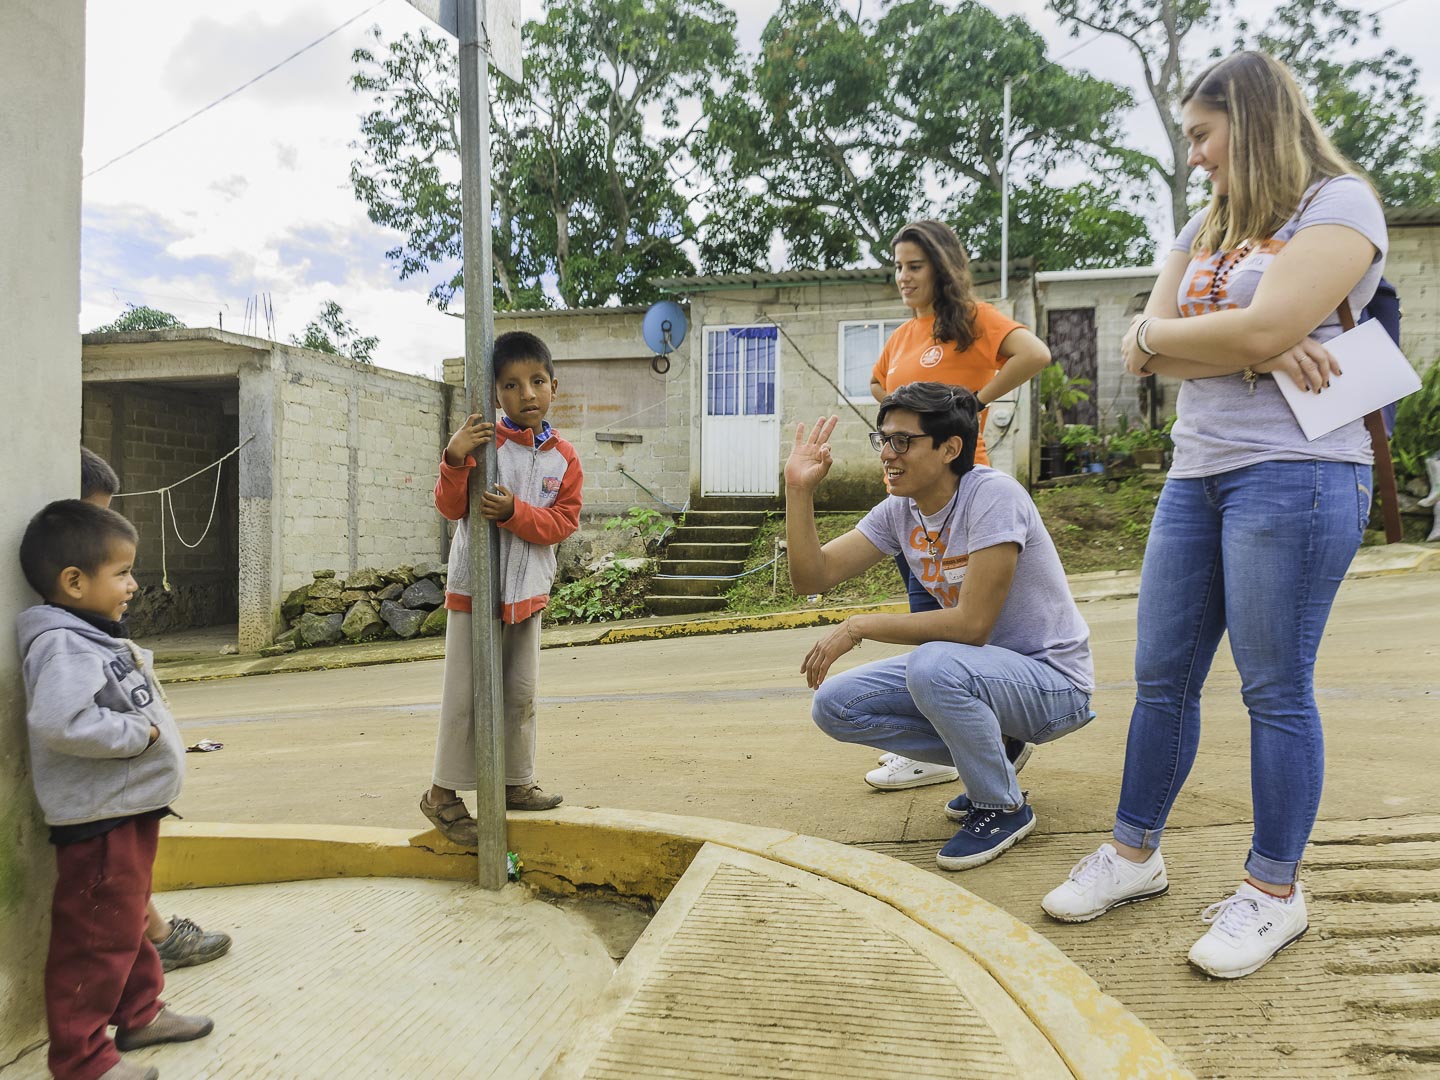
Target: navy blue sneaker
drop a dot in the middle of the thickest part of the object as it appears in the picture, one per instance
(1018, 752)
(985, 835)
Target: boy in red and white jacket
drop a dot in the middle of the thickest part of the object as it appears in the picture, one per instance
(536, 504)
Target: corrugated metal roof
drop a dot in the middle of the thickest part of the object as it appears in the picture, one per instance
(867, 275)
(541, 313)
(1414, 215)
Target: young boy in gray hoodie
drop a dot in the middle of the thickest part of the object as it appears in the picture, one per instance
(107, 761)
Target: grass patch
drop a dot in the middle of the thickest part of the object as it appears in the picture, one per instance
(1100, 524)
(754, 594)
(1094, 528)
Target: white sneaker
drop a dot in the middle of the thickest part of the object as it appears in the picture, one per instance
(1102, 881)
(1246, 930)
(896, 773)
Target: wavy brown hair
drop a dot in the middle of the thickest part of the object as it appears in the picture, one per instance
(1277, 148)
(954, 301)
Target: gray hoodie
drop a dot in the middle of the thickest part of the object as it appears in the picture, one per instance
(92, 699)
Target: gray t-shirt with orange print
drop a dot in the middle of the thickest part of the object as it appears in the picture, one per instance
(1224, 423)
(1039, 618)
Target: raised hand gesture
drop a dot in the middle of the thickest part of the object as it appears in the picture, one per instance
(810, 456)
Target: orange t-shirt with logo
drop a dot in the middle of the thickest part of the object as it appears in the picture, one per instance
(913, 355)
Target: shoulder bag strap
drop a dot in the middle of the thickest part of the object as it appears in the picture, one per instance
(1380, 444)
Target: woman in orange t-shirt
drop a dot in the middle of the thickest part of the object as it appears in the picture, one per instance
(952, 339)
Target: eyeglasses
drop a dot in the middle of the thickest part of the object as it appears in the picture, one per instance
(898, 441)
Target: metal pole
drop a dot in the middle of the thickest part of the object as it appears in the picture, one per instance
(1005, 197)
(488, 692)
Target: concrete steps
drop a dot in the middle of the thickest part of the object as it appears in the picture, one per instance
(701, 560)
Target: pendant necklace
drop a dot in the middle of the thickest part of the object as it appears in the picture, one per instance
(932, 543)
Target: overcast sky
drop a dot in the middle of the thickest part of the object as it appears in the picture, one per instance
(253, 197)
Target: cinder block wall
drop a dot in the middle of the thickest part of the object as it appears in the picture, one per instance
(356, 469)
(809, 364)
(1414, 266)
(153, 436)
(1112, 300)
(622, 416)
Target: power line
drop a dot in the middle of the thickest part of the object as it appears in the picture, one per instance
(1087, 41)
(224, 97)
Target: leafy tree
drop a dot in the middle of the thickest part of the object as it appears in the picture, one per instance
(848, 128)
(1156, 31)
(140, 317)
(330, 332)
(589, 154)
(1371, 105)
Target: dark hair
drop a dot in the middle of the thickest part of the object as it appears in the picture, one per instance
(944, 411)
(517, 346)
(96, 475)
(954, 300)
(69, 533)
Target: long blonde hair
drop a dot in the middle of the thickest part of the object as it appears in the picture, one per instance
(1277, 148)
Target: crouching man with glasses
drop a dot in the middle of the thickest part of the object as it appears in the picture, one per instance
(1006, 658)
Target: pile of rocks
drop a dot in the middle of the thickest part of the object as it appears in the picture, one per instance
(405, 602)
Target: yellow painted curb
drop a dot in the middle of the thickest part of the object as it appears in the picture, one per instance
(734, 624)
(642, 855)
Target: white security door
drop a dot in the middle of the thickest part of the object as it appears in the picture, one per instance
(740, 432)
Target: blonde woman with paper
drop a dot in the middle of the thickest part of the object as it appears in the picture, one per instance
(1256, 524)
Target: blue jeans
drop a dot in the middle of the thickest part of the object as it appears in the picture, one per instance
(1259, 552)
(947, 703)
(921, 598)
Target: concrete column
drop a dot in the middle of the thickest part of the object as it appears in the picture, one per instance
(42, 85)
(260, 560)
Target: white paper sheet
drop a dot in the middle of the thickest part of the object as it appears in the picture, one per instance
(1375, 374)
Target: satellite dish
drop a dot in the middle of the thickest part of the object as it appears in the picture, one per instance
(663, 329)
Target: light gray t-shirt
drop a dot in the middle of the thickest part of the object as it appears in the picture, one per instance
(1039, 618)
(1221, 423)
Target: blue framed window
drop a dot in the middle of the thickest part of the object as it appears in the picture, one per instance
(740, 371)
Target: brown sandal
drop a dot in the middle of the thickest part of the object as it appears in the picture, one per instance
(451, 819)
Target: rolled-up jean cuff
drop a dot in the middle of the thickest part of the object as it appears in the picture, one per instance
(1271, 870)
(1134, 836)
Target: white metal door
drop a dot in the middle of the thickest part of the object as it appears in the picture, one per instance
(740, 431)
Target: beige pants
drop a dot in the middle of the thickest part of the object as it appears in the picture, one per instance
(519, 667)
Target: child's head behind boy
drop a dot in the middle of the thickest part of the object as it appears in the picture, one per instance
(80, 556)
(98, 482)
(525, 382)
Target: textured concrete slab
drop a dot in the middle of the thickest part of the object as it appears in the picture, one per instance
(1358, 996)
(377, 977)
(753, 969)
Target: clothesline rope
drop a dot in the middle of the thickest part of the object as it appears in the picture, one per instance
(167, 497)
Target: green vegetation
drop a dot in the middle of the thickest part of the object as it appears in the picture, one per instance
(649, 525)
(754, 594)
(140, 317)
(1100, 524)
(1417, 428)
(614, 593)
(1096, 524)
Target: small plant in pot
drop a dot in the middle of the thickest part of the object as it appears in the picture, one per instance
(1057, 392)
(1146, 447)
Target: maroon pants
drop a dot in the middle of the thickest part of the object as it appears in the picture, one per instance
(101, 968)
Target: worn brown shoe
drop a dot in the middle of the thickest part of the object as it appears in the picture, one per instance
(530, 797)
(452, 819)
(188, 945)
(123, 1070)
(168, 1027)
